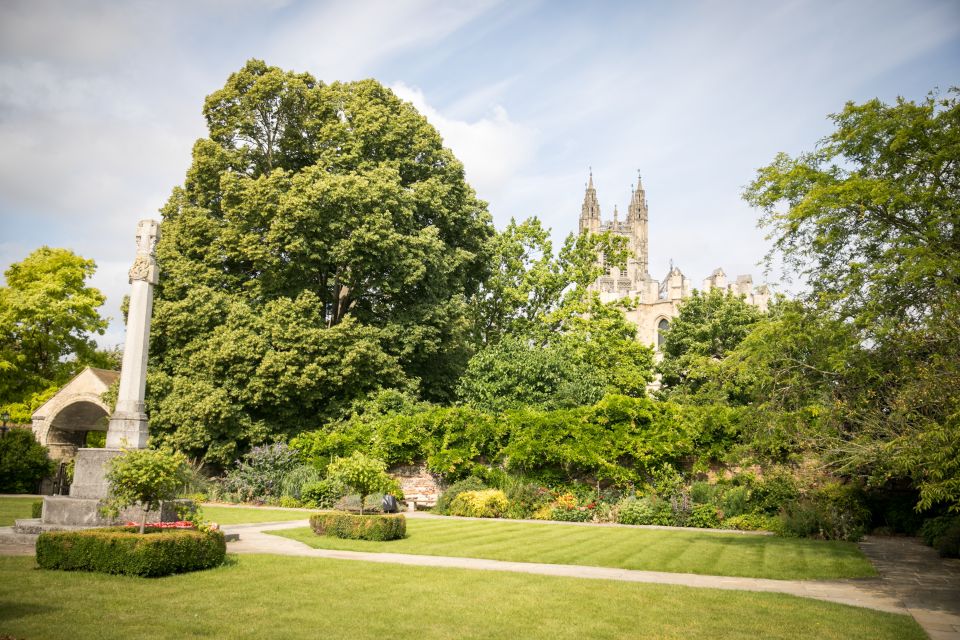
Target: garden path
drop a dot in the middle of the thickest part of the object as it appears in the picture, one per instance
(913, 580)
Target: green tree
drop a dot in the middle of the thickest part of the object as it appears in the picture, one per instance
(145, 477)
(361, 473)
(528, 285)
(23, 462)
(871, 220)
(47, 317)
(323, 246)
(709, 326)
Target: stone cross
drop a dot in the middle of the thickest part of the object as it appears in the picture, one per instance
(128, 424)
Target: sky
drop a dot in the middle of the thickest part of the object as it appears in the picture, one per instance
(100, 103)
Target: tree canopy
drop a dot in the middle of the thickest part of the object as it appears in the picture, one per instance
(323, 245)
(871, 219)
(48, 316)
(710, 325)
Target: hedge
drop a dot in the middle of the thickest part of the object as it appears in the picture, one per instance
(158, 552)
(355, 527)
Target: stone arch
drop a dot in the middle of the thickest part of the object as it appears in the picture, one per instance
(67, 423)
(62, 422)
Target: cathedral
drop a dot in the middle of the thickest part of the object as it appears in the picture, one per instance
(657, 302)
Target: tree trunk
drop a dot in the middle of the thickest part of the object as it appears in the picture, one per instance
(143, 520)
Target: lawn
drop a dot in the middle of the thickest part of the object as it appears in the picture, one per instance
(12, 509)
(620, 547)
(243, 515)
(284, 597)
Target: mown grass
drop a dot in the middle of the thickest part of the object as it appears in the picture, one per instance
(620, 547)
(284, 597)
(12, 509)
(252, 515)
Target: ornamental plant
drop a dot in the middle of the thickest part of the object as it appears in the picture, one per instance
(146, 477)
(363, 474)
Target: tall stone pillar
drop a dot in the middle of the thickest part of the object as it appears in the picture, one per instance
(128, 424)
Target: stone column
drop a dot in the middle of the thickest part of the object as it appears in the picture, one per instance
(128, 424)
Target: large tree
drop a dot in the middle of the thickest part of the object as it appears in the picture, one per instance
(48, 316)
(323, 245)
(871, 220)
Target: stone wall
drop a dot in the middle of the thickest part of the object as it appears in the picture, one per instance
(417, 484)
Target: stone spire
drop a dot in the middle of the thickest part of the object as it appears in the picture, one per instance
(637, 217)
(128, 424)
(590, 212)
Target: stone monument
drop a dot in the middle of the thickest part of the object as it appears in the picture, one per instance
(128, 427)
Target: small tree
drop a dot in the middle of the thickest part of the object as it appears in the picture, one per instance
(363, 474)
(145, 477)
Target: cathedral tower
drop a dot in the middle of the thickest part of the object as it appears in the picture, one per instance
(639, 238)
(590, 212)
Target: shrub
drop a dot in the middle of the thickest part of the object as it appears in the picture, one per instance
(23, 462)
(288, 502)
(933, 528)
(488, 503)
(735, 501)
(834, 512)
(703, 516)
(470, 483)
(121, 550)
(525, 497)
(948, 544)
(36, 509)
(322, 494)
(775, 491)
(359, 527)
(258, 476)
(574, 514)
(648, 511)
(943, 534)
(703, 492)
(754, 522)
(294, 480)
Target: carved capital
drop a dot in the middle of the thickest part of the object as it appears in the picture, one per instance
(144, 268)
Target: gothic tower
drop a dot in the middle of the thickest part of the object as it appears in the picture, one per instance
(638, 221)
(590, 212)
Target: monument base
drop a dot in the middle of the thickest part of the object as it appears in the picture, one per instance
(90, 471)
(88, 493)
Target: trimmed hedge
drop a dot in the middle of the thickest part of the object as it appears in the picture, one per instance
(122, 550)
(355, 527)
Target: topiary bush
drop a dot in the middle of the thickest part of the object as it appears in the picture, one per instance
(121, 550)
(36, 509)
(488, 503)
(356, 527)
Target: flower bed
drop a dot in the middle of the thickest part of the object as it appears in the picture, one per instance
(122, 550)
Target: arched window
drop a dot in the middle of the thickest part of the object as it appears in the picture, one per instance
(662, 326)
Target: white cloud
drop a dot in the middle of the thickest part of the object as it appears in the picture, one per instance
(495, 150)
(340, 40)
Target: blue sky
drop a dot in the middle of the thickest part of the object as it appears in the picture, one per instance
(100, 103)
